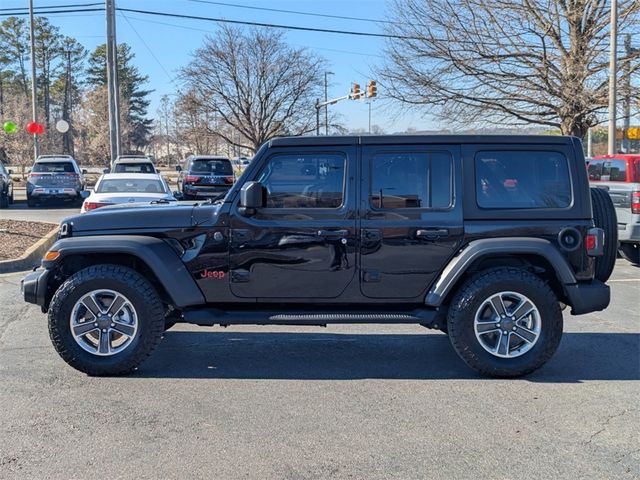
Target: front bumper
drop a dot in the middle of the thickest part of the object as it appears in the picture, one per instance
(588, 297)
(34, 287)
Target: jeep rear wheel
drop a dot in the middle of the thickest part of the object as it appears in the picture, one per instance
(505, 322)
(105, 320)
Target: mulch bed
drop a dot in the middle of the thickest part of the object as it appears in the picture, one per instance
(16, 237)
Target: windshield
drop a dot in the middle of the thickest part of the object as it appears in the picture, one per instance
(142, 167)
(53, 167)
(212, 167)
(129, 185)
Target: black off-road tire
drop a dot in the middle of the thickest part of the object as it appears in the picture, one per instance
(144, 299)
(630, 252)
(4, 200)
(11, 198)
(470, 297)
(31, 203)
(604, 217)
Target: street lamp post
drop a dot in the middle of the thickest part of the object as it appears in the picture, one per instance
(326, 106)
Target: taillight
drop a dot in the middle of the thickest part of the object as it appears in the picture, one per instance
(33, 175)
(191, 179)
(229, 180)
(94, 205)
(590, 242)
(594, 242)
(635, 202)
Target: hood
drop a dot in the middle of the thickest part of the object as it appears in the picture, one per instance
(132, 218)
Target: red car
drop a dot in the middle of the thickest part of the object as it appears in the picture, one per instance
(619, 174)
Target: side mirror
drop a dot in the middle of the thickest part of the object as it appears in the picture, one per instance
(84, 171)
(10, 171)
(85, 194)
(177, 195)
(178, 168)
(252, 196)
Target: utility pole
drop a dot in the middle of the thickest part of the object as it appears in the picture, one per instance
(369, 102)
(34, 98)
(589, 143)
(112, 80)
(66, 108)
(317, 116)
(626, 103)
(326, 105)
(613, 70)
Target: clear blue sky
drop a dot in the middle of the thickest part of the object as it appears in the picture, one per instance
(169, 43)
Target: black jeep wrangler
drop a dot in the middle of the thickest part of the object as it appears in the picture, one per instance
(486, 238)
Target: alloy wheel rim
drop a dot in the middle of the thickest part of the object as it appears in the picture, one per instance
(507, 324)
(103, 322)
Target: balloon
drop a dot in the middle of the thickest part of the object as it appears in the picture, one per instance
(62, 126)
(32, 128)
(9, 127)
(39, 129)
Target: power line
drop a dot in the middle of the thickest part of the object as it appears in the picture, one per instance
(55, 6)
(278, 10)
(49, 12)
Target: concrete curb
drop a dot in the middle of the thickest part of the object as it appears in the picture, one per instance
(32, 256)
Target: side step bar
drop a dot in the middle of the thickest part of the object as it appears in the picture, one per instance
(214, 316)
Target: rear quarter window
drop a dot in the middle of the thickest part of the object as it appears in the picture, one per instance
(522, 179)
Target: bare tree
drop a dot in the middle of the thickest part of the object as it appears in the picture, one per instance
(506, 62)
(256, 83)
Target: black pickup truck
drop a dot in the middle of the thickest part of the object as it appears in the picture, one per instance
(486, 238)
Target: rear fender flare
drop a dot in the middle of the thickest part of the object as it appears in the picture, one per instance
(493, 246)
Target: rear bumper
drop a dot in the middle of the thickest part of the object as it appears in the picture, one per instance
(34, 287)
(629, 232)
(204, 192)
(588, 297)
(65, 193)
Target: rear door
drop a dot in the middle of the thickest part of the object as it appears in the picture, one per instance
(55, 175)
(411, 219)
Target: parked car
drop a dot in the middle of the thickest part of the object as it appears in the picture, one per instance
(488, 246)
(6, 187)
(132, 164)
(619, 175)
(118, 188)
(205, 176)
(54, 177)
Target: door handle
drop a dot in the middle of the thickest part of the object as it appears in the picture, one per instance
(333, 233)
(432, 233)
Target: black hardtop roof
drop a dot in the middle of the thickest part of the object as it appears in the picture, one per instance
(418, 139)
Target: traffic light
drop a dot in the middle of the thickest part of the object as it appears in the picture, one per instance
(355, 90)
(372, 89)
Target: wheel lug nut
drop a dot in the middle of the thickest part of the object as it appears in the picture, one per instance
(505, 332)
(498, 325)
(95, 324)
(113, 325)
(104, 330)
(514, 329)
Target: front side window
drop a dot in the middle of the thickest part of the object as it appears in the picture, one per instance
(411, 180)
(615, 170)
(519, 179)
(304, 181)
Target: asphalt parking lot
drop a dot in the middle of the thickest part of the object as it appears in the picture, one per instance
(307, 403)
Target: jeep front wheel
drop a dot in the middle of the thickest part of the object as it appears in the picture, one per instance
(505, 322)
(105, 320)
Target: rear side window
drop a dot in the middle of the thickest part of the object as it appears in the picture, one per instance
(616, 170)
(514, 179)
(595, 170)
(211, 167)
(53, 167)
(411, 180)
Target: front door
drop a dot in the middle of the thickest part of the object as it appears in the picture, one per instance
(411, 218)
(303, 243)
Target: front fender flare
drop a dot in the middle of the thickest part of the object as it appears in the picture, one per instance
(491, 246)
(163, 261)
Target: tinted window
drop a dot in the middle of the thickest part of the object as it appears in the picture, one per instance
(211, 167)
(2, 169)
(53, 167)
(304, 181)
(134, 168)
(128, 185)
(595, 170)
(522, 180)
(615, 170)
(411, 180)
